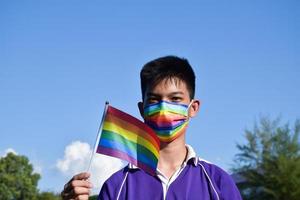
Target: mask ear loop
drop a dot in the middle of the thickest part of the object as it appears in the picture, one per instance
(188, 109)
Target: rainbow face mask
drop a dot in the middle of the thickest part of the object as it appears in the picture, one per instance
(169, 120)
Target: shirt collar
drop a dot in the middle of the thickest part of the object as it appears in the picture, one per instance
(191, 155)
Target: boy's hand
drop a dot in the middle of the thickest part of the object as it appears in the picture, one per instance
(77, 188)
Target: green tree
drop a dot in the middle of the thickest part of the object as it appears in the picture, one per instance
(94, 197)
(17, 180)
(269, 163)
(48, 196)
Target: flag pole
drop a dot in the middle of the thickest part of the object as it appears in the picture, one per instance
(98, 135)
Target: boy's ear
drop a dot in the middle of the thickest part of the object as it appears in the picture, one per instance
(141, 108)
(195, 106)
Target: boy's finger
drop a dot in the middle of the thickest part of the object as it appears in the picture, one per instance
(77, 180)
(75, 192)
(81, 183)
(81, 191)
(82, 197)
(77, 183)
(84, 175)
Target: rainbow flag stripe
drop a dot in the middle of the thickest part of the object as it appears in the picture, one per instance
(124, 136)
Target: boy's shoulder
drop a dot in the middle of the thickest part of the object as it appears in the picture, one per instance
(212, 169)
(113, 184)
(222, 182)
(117, 176)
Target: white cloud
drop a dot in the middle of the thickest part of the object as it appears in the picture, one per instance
(76, 159)
(9, 150)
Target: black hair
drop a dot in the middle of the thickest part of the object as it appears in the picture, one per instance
(167, 67)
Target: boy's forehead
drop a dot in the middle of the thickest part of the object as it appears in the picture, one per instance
(168, 84)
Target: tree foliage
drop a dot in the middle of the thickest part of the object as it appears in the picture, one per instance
(48, 196)
(94, 197)
(17, 180)
(269, 163)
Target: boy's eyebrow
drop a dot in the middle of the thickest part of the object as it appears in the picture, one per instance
(152, 94)
(174, 93)
(170, 94)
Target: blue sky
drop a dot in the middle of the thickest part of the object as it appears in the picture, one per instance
(61, 60)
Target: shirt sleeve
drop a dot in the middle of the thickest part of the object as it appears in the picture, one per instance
(224, 183)
(228, 188)
(104, 193)
(111, 187)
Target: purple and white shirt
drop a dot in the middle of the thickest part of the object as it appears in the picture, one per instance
(195, 179)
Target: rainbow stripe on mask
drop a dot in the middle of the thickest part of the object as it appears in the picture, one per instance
(168, 120)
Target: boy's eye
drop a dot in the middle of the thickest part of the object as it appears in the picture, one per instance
(176, 99)
(152, 100)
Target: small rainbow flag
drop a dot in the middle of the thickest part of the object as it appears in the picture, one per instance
(124, 136)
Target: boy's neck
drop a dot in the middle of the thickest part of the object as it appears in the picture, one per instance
(171, 156)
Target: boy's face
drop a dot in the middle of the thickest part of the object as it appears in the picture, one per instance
(170, 90)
